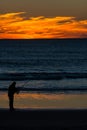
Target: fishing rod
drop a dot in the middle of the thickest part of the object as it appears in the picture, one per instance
(22, 86)
(25, 84)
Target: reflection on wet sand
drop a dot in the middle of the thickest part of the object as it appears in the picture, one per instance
(41, 100)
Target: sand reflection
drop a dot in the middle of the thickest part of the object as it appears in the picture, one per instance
(41, 100)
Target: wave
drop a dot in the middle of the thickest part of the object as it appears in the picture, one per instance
(41, 76)
(84, 89)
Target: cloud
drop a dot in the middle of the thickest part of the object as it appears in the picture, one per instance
(15, 25)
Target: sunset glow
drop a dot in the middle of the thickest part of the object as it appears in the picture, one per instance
(33, 100)
(16, 26)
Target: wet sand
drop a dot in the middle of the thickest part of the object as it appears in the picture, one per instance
(27, 119)
(46, 101)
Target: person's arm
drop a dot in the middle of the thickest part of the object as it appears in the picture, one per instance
(17, 90)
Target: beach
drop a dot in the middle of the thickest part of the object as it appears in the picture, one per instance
(61, 119)
(63, 112)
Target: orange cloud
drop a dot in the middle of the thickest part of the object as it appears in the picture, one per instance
(16, 26)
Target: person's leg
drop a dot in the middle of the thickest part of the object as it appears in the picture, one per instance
(11, 99)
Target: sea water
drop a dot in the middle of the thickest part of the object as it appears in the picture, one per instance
(44, 66)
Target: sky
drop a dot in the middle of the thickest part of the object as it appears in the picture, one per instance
(29, 19)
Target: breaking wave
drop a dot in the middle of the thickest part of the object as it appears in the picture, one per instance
(41, 76)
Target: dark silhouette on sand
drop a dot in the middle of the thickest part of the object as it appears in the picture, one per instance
(11, 91)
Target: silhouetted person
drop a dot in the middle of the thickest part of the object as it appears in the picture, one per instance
(11, 91)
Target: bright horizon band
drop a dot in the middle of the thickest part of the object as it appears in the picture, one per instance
(16, 26)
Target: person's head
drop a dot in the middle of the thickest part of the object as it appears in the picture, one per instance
(14, 83)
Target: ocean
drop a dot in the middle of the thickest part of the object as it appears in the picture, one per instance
(49, 66)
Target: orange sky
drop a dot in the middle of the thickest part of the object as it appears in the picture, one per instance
(16, 26)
